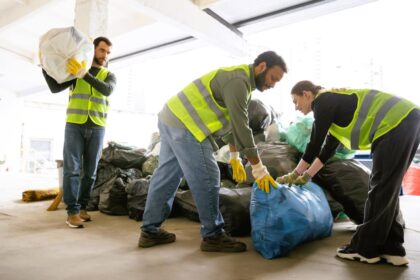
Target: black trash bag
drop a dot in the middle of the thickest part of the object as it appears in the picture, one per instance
(185, 205)
(233, 203)
(234, 206)
(113, 197)
(136, 197)
(123, 156)
(230, 184)
(149, 165)
(225, 171)
(279, 158)
(93, 203)
(105, 173)
(225, 174)
(183, 185)
(347, 181)
(259, 116)
(335, 206)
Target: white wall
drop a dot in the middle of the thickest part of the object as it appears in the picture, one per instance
(10, 131)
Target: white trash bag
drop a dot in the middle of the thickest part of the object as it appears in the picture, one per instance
(58, 45)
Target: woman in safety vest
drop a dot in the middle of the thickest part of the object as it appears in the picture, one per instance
(363, 119)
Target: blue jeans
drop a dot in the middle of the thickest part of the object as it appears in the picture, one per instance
(182, 155)
(82, 147)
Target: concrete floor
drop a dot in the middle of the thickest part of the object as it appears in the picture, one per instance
(36, 244)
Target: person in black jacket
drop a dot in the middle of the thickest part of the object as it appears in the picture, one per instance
(363, 119)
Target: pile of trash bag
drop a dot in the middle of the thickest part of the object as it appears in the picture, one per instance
(124, 175)
(119, 168)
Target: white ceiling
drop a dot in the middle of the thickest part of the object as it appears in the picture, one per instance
(144, 27)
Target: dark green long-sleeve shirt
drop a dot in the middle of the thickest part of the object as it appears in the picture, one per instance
(230, 90)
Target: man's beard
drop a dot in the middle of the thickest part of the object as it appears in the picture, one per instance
(260, 80)
(97, 61)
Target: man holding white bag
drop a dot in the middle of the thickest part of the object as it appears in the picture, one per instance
(85, 127)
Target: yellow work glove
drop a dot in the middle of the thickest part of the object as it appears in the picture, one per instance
(239, 174)
(302, 180)
(288, 178)
(262, 177)
(76, 68)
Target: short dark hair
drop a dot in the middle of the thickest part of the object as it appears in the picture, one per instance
(101, 39)
(271, 59)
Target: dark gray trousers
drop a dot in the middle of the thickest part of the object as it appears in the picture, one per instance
(382, 231)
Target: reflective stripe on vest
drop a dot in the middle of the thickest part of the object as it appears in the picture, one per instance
(102, 101)
(85, 101)
(376, 114)
(197, 109)
(86, 112)
(355, 132)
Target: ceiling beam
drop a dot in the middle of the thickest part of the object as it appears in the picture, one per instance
(91, 17)
(188, 17)
(204, 3)
(11, 53)
(300, 12)
(12, 17)
(21, 11)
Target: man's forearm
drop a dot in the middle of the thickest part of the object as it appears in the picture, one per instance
(53, 85)
(105, 87)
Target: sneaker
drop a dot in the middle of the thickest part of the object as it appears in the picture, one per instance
(222, 243)
(395, 260)
(74, 221)
(84, 216)
(346, 252)
(149, 239)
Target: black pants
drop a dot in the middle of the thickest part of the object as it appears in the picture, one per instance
(382, 231)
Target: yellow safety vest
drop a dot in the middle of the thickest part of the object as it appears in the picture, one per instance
(85, 101)
(376, 114)
(197, 109)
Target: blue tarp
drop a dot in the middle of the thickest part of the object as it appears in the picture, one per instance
(287, 217)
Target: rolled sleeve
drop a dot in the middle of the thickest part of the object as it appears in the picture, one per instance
(236, 100)
(105, 87)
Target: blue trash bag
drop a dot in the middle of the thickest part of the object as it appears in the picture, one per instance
(287, 217)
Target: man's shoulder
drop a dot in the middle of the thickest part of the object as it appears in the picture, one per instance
(95, 70)
(228, 74)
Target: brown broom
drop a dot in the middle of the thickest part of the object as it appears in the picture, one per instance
(38, 195)
(56, 202)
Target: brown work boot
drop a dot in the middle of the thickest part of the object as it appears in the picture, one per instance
(84, 216)
(222, 243)
(149, 239)
(74, 221)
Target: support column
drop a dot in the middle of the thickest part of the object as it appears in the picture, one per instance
(91, 17)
